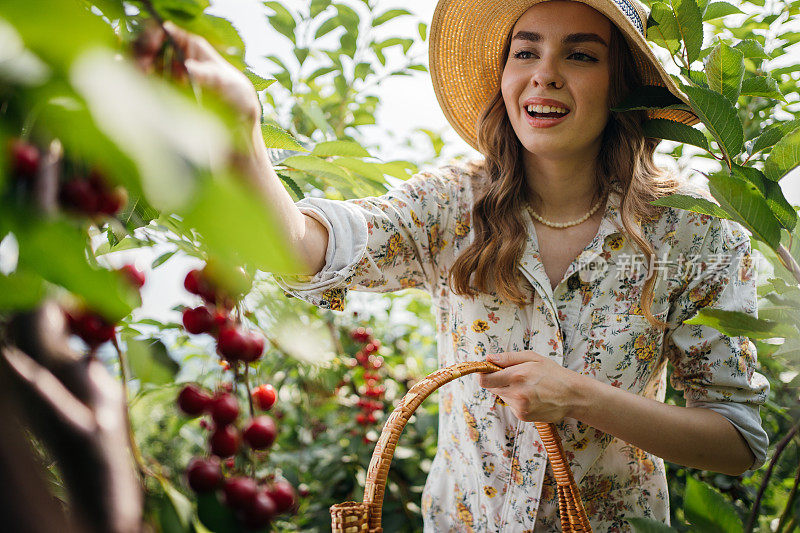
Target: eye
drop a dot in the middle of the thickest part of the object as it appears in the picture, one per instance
(521, 54)
(584, 57)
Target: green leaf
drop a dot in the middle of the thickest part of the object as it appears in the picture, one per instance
(133, 110)
(258, 82)
(708, 510)
(725, 71)
(720, 117)
(648, 525)
(181, 505)
(364, 168)
(55, 31)
(690, 24)
(298, 193)
(215, 516)
(327, 27)
(161, 259)
(736, 323)
(341, 148)
(752, 49)
(102, 290)
(238, 228)
(765, 86)
(422, 29)
(389, 15)
(661, 128)
(301, 54)
(318, 6)
(282, 20)
(772, 193)
(276, 137)
(692, 203)
(20, 291)
(784, 157)
(773, 135)
(745, 204)
(399, 169)
(150, 362)
(663, 28)
(320, 72)
(716, 10)
(650, 97)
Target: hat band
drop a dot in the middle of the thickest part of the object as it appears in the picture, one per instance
(631, 13)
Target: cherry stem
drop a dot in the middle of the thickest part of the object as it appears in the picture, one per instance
(144, 470)
(247, 386)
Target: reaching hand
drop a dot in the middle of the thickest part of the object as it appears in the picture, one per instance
(201, 64)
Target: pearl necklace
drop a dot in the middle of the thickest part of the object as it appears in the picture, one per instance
(564, 224)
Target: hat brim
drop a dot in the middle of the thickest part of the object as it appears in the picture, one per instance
(466, 43)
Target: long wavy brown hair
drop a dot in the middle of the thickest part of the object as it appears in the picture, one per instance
(625, 164)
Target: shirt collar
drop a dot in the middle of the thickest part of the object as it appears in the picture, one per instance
(531, 262)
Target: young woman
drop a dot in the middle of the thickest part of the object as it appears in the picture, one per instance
(547, 258)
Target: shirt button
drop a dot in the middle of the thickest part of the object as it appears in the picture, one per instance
(574, 282)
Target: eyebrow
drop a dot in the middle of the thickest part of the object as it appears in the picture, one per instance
(569, 39)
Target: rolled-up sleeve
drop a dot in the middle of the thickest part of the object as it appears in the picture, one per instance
(379, 244)
(713, 370)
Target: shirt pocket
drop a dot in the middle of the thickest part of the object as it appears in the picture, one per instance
(625, 349)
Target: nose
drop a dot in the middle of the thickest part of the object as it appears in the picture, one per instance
(547, 74)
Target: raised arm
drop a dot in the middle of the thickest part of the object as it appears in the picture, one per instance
(206, 67)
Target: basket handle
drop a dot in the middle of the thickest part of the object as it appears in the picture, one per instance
(352, 517)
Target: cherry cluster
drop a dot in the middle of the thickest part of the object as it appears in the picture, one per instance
(215, 318)
(90, 195)
(368, 359)
(91, 326)
(254, 503)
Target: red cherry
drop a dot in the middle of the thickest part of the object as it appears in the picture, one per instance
(224, 409)
(110, 202)
(239, 492)
(134, 275)
(221, 318)
(25, 158)
(192, 281)
(192, 400)
(371, 418)
(261, 511)
(361, 419)
(198, 320)
(283, 494)
(78, 195)
(224, 441)
(204, 475)
(260, 433)
(255, 347)
(91, 327)
(232, 344)
(264, 396)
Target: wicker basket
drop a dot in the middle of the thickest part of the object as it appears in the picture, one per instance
(355, 517)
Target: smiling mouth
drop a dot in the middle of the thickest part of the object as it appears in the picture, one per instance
(551, 112)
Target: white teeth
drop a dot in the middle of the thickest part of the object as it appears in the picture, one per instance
(546, 109)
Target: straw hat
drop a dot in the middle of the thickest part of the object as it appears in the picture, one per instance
(467, 39)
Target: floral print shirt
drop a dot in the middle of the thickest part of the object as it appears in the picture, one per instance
(491, 472)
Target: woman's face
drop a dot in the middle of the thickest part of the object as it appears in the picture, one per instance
(558, 58)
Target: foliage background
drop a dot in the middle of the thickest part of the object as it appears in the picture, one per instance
(319, 445)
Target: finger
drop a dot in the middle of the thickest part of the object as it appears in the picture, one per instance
(494, 380)
(506, 359)
(193, 46)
